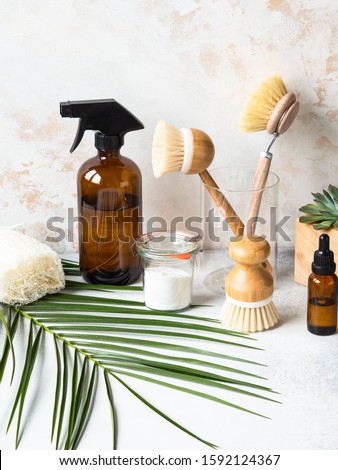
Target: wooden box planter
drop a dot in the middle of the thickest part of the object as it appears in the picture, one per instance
(306, 244)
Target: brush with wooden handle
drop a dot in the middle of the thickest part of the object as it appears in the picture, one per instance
(249, 287)
(190, 151)
(274, 109)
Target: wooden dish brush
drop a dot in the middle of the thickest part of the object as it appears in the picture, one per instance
(190, 151)
(249, 287)
(274, 109)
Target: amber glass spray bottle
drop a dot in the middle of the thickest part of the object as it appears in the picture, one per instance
(109, 194)
(322, 291)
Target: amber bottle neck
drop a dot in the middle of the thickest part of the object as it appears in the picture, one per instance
(103, 154)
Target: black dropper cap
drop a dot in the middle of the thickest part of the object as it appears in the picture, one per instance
(323, 262)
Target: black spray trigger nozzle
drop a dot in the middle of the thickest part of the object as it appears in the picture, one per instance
(66, 109)
(81, 129)
(108, 117)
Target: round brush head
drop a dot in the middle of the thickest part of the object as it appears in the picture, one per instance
(270, 108)
(249, 317)
(168, 149)
(186, 150)
(249, 287)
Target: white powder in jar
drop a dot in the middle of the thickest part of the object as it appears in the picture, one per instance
(167, 288)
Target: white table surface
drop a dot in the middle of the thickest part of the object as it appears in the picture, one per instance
(301, 366)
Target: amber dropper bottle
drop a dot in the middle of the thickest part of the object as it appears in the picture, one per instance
(322, 291)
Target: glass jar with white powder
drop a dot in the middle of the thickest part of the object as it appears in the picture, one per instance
(168, 260)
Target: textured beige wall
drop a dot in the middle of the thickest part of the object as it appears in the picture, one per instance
(193, 63)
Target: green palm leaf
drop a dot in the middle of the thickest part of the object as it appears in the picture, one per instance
(10, 328)
(57, 386)
(145, 343)
(31, 354)
(192, 392)
(106, 352)
(74, 399)
(86, 408)
(112, 408)
(160, 413)
(124, 339)
(64, 393)
(100, 287)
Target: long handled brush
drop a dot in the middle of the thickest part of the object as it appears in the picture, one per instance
(271, 108)
(249, 288)
(190, 151)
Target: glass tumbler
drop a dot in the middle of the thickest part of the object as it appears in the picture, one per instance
(236, 185)
(168, 260)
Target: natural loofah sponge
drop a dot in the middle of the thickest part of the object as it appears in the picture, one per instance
(28, 269)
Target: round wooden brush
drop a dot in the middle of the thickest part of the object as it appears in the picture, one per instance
(190, 151)
(274, 109)
(249, 287)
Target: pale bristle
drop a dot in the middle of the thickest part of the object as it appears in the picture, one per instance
(168, 149)
(248, 319)
(262, 104)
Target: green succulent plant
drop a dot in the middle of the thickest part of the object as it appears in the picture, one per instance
(323, 214)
